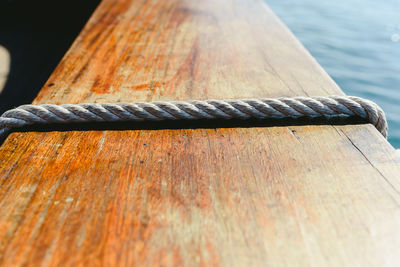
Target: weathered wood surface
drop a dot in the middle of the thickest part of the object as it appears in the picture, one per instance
(276, 196)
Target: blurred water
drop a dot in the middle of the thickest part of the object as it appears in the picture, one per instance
(357, 42)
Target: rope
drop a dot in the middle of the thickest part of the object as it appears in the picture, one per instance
(276, 108)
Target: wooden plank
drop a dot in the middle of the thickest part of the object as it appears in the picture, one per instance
(299, 195)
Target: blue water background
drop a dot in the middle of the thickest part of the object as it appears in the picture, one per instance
(357, 42)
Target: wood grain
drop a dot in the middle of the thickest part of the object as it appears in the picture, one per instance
(315, 195)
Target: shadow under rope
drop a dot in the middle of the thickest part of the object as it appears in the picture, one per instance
(37, 34)
(185, 124)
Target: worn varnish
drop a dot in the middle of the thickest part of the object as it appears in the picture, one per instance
(276, 196)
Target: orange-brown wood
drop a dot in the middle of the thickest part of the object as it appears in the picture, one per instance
(296, 195)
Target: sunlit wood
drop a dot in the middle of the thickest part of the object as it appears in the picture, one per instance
(259, 196)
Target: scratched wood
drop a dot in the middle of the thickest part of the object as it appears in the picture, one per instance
(279, 196)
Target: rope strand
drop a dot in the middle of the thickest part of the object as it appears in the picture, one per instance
(274, 108)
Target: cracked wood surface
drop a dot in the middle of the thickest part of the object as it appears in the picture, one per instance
(315, 195)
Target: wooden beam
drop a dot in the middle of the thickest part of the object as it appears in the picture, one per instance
(316, 195)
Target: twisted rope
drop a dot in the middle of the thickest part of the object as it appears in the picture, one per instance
(276, 108)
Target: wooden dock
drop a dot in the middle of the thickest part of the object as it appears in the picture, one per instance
(316, 195)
